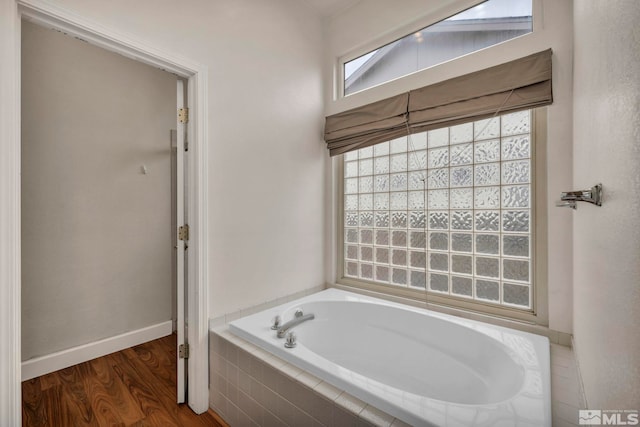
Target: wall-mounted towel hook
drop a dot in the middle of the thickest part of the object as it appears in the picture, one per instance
(593, 195)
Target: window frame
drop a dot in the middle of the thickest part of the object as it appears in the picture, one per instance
(417, 25)
(538, 313)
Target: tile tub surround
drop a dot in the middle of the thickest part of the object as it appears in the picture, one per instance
(251, 387)
(566, 391)
(567, 394)
(218, 321)
(249, 395)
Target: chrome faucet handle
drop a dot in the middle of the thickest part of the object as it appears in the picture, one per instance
(298, 313)
(290, 340)
(277, 322)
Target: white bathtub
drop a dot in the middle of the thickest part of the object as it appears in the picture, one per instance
(422, 367)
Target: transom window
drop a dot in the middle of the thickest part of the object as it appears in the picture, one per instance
(489, 23)
(448, 211)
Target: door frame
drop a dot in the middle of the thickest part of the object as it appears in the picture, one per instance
(52, 16)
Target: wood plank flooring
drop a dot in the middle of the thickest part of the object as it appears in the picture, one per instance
(133, 387)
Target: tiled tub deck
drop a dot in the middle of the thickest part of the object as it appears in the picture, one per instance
(251, 387)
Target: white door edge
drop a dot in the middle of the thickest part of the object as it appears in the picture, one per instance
(180, 244)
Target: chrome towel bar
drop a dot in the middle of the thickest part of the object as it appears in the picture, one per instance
(593, 195)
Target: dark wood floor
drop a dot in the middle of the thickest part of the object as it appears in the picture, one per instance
(133, 387)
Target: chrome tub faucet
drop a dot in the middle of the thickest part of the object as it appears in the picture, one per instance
(298, 318)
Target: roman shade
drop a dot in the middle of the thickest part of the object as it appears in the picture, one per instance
(516, 85)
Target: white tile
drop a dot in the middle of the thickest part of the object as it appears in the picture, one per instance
(561, 350)
(269, 399)
(270, 420)
(256, 390)
(327, 390)
(306, 420)
(270, 376)
(216, 322)
(376, 416)
(232, 414)
(256, 368)
(232, 353)
(217, 401)
(244, 419)
(563, 361)
(244, 361)
(223, 332)
(322, 410)
(223, 410)
(230, 317)
(285, 411)
(568, 372)
(553, 336)
(399, 423)
(564, 395)
(350, 403)
(244, 381)
(307, 379)
(219, 384)
(246, 346)
(364, 423)
(557, 422)
(287, 387)
(564, 412)
(216, 364)
(232, 393)
(250, 407)
(260, 353)
(226, 336)
(568, 384)
(290, 370)
(232, 374)
(250, 310)
(214, 344)
(312, 403)
(344, 418)
(274, 361)
(565, 339)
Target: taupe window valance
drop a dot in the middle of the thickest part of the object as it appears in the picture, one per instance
(512, 86)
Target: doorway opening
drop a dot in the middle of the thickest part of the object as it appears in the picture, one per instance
(196, 298)
(97, 164)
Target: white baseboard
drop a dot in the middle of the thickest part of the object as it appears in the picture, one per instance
(63, 359)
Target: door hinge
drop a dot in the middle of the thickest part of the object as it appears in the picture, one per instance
(183, 351)
(183, 115)
(183, 232)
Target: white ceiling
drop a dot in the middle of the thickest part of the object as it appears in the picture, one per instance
(330, 7)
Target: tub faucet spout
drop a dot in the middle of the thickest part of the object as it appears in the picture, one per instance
(297, 319)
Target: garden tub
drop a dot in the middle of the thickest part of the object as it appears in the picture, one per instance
(422, 367)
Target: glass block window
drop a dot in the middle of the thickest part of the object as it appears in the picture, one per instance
(449, 210)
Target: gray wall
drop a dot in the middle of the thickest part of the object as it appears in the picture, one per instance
(96, 231)
(607, 239)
